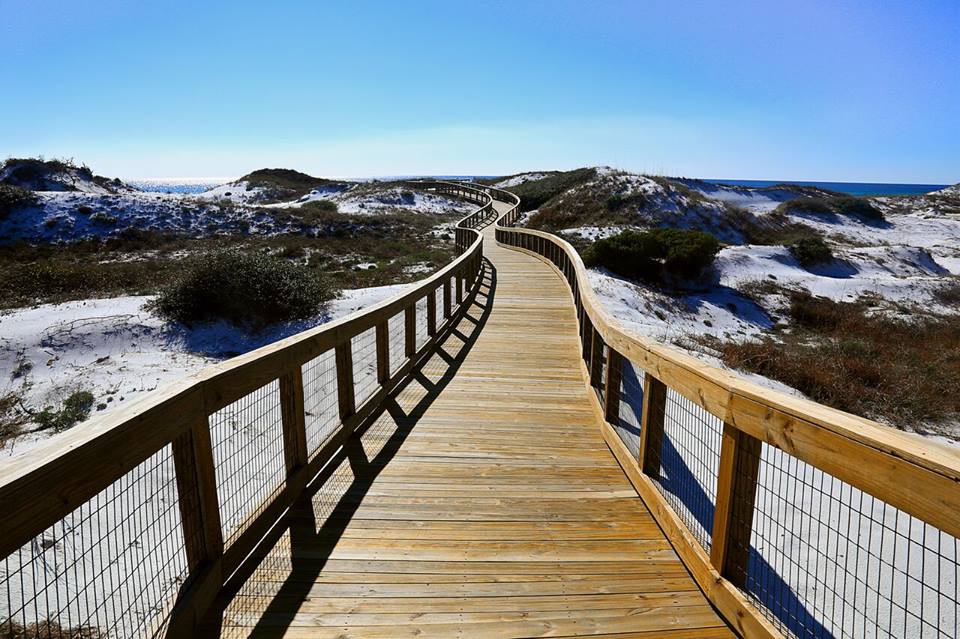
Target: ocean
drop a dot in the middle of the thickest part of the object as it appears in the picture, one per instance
(850, 188)
(177, 185)
(199, 185)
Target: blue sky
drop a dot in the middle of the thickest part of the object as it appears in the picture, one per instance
(802, 90)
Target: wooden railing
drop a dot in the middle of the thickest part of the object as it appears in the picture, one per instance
(794, 518)
(132, 523)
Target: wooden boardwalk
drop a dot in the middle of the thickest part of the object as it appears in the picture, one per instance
(482, 503)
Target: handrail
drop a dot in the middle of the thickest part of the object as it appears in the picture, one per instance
(914, 475)
(38, 490)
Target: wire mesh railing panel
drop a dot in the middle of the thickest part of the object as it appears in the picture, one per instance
(828, 560)
(421, 323)
(321, 410)
(630, 407)
(689, 462)
(247, 438)
(111, 568)
(364, 346)
(397, 337)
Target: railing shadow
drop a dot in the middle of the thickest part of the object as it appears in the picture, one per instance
(298, 549)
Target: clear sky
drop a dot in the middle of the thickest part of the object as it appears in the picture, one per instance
(801, 90)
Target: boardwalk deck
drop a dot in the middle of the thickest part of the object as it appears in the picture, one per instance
(482, 503)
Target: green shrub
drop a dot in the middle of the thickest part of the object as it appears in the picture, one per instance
(814, 205)
(618, 201)
(656, 254)
(246, 289)
(837, 205)
(14, 197)
(847, 205)
(811, 251)
(74, 409)
(103, 218)
(534, 193)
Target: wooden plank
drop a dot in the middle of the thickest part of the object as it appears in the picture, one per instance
(736, 493)
(496, 501)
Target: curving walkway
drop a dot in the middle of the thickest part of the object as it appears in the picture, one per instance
(468, 510)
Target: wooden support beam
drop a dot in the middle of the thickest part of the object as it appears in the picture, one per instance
(651, 424)
(345, 395)
(197, 495)
(292, 414)
(459, 279)
(611, 390)
(383, 351)
(736, 495)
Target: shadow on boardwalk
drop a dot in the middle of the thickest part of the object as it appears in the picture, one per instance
(278, 576)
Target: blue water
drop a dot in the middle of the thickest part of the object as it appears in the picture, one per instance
(850, 188)
(176, 186)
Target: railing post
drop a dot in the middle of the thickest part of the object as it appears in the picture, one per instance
(293, 419)
(447, 304)
(197, 495)
(410, 330)
(459, 279)
(736, 493)
(383, 352)
(345, 396)
(432, 313)
(611, 390)
(586, 339)
(651, 424)
(596, 358)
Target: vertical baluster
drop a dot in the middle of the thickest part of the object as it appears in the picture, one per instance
(736, 494)
(383, 352)
(447, 304)
(293, 419)
(596, 358)
(651, 424)
(432, 313)
(197, 495)
(345, 396)
(410, 329)
(611, 392)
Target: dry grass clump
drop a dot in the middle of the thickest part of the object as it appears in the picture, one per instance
(12, 417)
(840, 355)
(10, 629)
